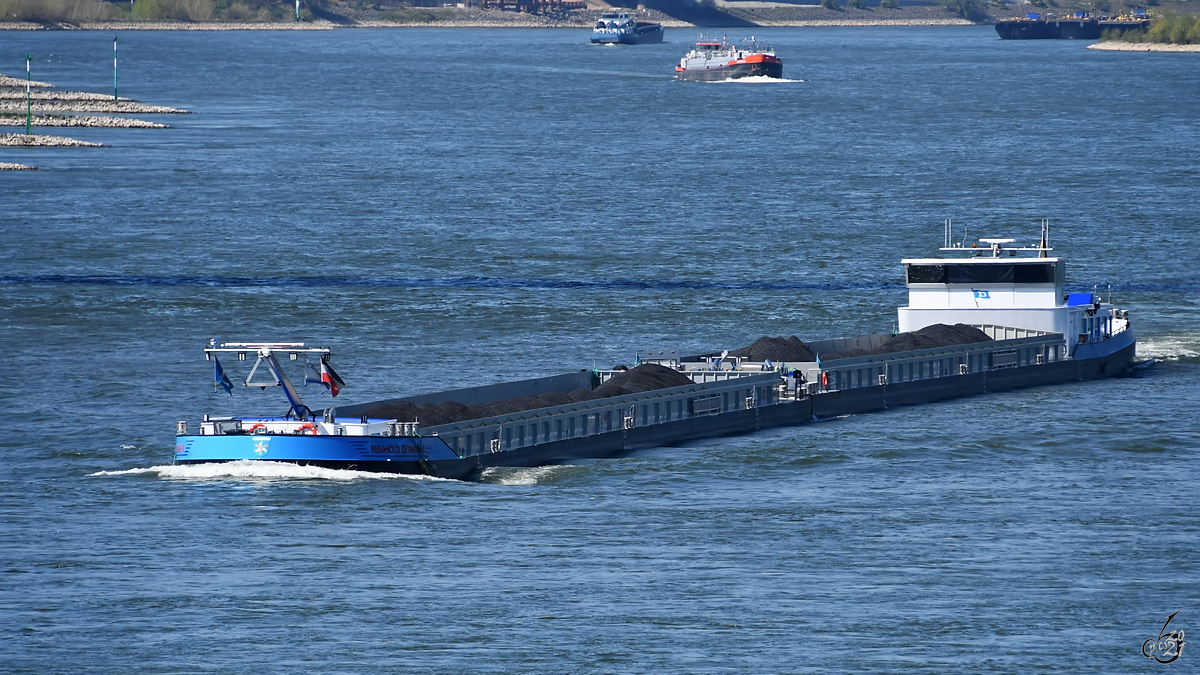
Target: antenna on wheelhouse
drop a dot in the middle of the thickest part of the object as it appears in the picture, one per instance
(1045, 245)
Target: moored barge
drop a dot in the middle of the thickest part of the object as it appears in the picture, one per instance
(1080, 26)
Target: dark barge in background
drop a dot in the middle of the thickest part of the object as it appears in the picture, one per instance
(1080, 26)
(1014, 328)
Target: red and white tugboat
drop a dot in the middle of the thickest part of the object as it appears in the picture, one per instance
(712, 60)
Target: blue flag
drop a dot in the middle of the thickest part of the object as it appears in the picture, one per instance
(221, 378)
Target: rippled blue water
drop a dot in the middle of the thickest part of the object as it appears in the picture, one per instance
(453, 207)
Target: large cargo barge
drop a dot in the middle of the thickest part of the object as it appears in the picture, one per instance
(1029, 333)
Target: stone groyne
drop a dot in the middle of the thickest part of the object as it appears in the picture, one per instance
(47, 107)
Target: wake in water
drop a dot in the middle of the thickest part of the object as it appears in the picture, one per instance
(522, 475)
(1169, 347)
(756, 79)
(256, 471)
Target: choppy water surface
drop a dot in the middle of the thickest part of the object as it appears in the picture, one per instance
(453, 207)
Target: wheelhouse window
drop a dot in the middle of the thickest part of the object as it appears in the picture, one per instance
(926, 274)
(982, 273)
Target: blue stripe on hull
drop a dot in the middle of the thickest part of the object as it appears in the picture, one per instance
(285, 448)
(644, 38)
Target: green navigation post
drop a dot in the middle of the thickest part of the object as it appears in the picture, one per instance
(28, 98)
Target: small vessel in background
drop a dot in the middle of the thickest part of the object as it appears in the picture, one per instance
(712, 61)
(1079, 26)
(620, 28)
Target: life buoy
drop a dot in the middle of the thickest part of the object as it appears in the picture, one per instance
(824, 379)
(306, 427)
(256, 427)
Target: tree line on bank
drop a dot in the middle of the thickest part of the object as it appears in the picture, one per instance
(49, 11)
(1167, 29)
(75, 11)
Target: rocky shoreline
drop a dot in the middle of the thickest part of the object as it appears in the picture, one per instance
(1115, 46)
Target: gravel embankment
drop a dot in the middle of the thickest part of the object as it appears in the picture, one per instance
(33, 140)
(761, 13)
(206, 25)
(7, 120)
(5, 166)
(17, 105)
(6, 81)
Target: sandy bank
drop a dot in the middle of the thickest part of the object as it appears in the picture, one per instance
(17, 140)
(1142, 47)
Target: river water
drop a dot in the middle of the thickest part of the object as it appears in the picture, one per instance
(456, 207)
